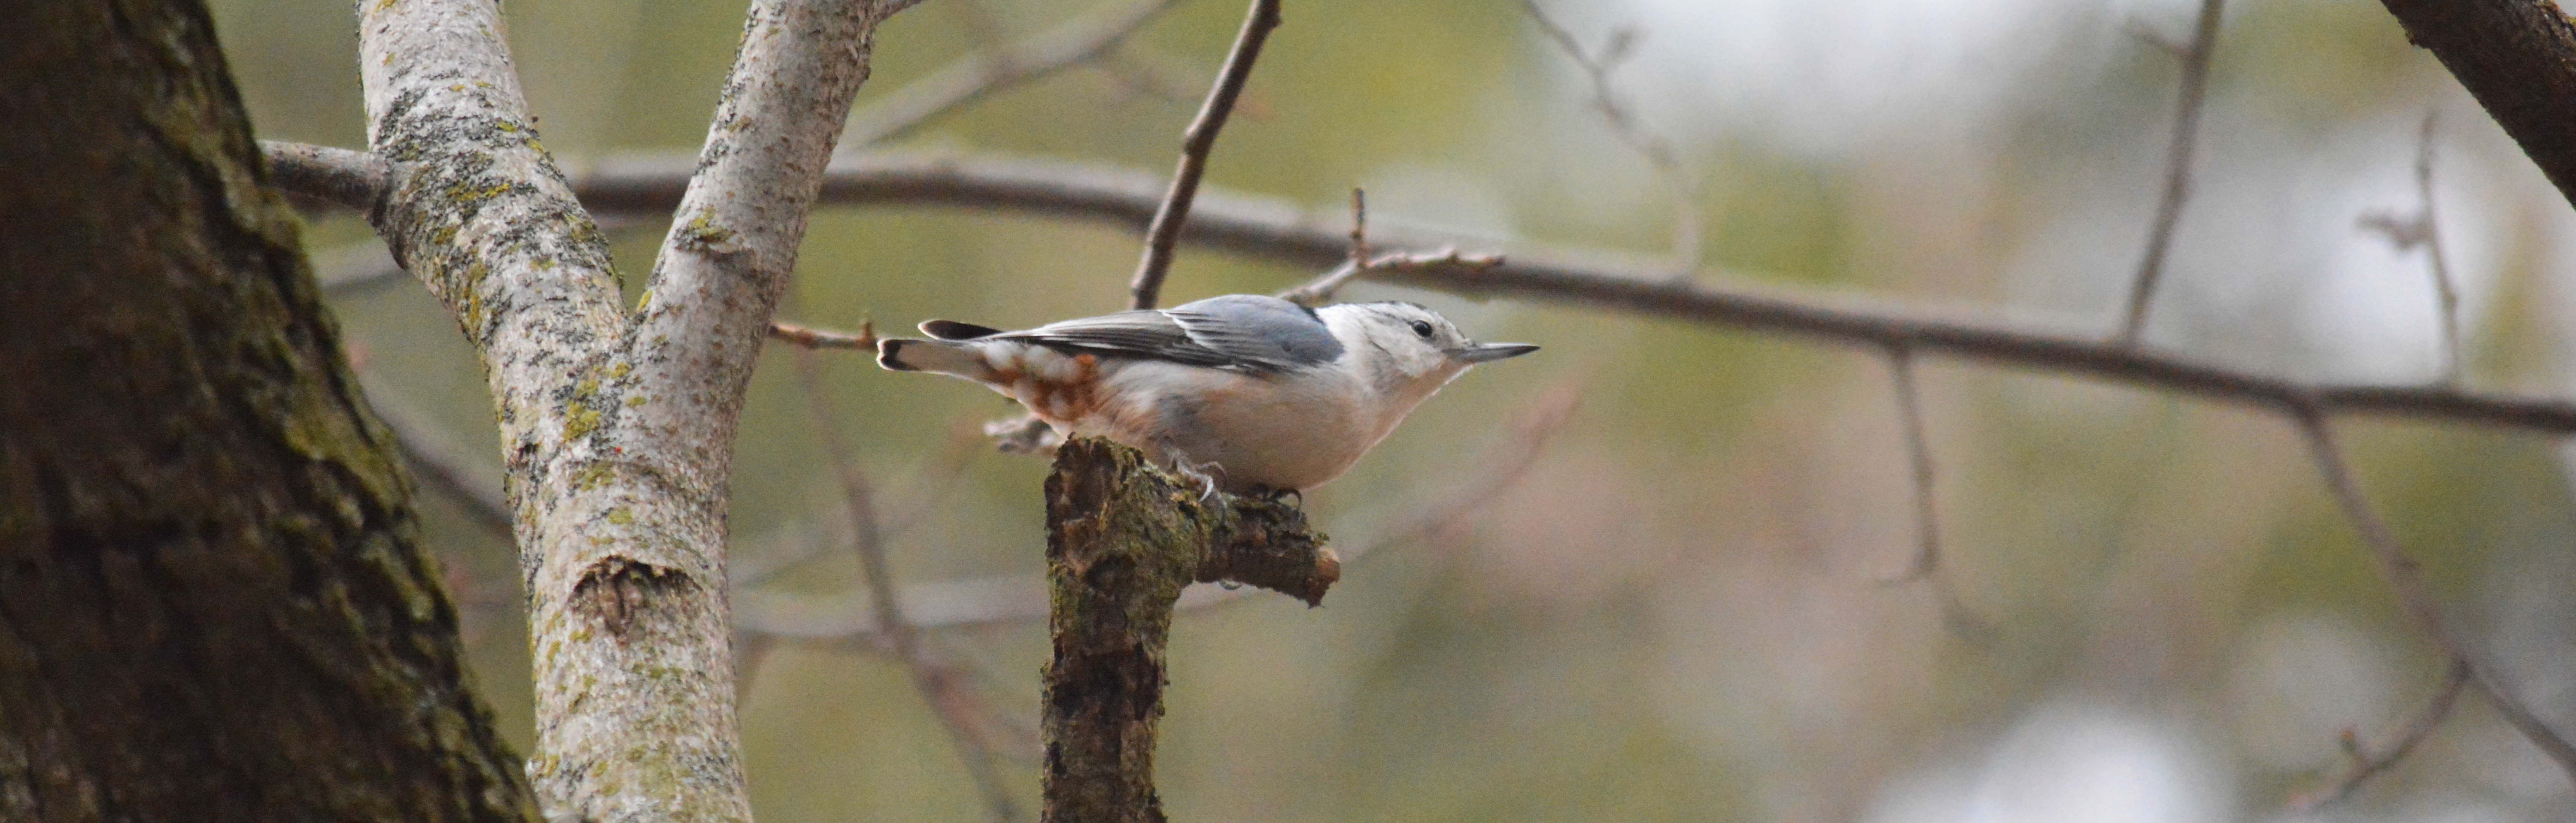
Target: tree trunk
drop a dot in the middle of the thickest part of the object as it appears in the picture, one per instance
(212, 605)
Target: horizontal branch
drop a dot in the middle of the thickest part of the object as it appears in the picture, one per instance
(1280, 232)
(349, 179)
(1276, 231)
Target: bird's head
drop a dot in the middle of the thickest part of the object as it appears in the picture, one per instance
(1404, 348)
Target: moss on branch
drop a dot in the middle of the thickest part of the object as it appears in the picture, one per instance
(1123, 539)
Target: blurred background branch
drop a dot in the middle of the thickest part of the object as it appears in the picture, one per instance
(1163, 233)
(950, 691)
(1597, 280)
(2194, 93)
(2367, 764)
(1652, 147)
(2422, 230)
(2406, 576)
(1095, 34)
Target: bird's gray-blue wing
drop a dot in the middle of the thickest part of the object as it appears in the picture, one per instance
(1240, 332)
(1257, 329)
(1148, 334)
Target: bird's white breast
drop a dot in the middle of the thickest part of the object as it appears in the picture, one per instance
(1281, 431)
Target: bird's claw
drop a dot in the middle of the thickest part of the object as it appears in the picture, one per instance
(1196, 473)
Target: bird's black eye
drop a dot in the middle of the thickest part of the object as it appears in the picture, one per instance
(1422, 328)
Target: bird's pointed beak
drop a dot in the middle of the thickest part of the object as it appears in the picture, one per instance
(1481, 352)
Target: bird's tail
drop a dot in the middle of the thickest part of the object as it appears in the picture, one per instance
(944, 357)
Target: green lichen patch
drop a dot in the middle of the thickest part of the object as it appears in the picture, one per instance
(579, 421)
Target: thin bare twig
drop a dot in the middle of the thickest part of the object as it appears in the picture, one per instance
(808, 337)
(2414, 598)
(2422, 229)
(947, 691)
(1918, 451)
(1595, 279)
(1359, 226)
(2366, 765)
(981, 76)
(965, 441)
(2445, 288)
(1320, 290)
(2195, 92)
(1962, 621)
(1164, 233)
(1135, 73)
(1657, 151)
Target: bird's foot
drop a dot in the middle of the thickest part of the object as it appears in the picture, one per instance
(1199, 474)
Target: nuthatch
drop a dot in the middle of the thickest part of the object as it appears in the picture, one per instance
(1251, 393)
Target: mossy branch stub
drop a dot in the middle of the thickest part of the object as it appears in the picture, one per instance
(1123, 539)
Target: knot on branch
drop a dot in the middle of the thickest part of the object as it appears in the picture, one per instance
(614, 590)
(1102, 489)
(1269, 545)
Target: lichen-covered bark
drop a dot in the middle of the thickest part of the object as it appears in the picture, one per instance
(212, 606)
(723, 267)
(1123, 539)
(617, 428)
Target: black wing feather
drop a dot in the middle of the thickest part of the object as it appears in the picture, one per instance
(953, 330)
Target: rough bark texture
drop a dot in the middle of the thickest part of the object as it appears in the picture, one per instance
(211, 603)
(617, 429)
(1123, 539)
(2518, 57)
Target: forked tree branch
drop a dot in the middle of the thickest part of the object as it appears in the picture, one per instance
(1165, 231)
(724, 264)
(2414, 599)
(616, 431)
(2367, 764)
